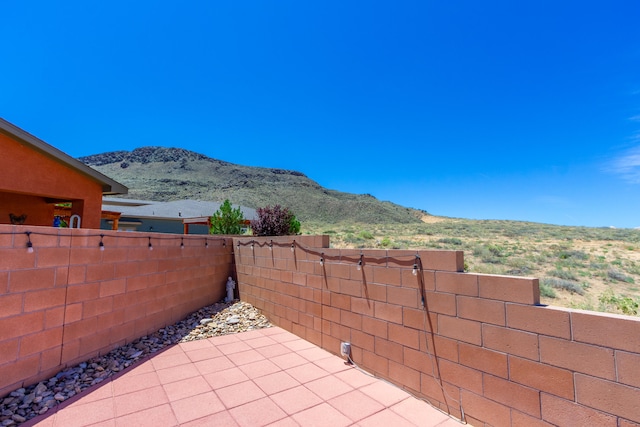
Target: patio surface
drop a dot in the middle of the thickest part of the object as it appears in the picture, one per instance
(257, 378)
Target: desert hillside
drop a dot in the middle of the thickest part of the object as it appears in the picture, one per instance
(578, 267)
(166, 174)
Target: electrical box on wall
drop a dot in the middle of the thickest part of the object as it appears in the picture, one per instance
(345, 349)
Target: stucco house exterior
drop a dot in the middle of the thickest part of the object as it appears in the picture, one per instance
(35, 176)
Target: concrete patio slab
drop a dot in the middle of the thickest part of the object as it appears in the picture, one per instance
(266, 377)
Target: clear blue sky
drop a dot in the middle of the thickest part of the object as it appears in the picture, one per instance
(487, 110)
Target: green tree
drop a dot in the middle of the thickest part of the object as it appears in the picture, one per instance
(226, 220)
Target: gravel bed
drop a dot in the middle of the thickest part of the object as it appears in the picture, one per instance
(215, 320)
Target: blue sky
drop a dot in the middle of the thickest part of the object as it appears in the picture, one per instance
(486, 110)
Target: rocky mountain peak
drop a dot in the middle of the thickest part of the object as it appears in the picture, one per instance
(144, 155)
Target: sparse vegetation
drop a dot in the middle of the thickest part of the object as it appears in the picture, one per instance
(450, 241)
(365, 235)
(547, 291)
(563, 284)
(615, 274)
(385, 242)
(563, 274)
(576, 265)
(610, 301)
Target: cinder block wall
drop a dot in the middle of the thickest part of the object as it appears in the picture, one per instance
(479, 342)
(69, 301)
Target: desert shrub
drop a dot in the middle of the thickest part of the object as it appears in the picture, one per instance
(518, 272)
(275, 221)
(632, 268)
(399, 244)
(538, 258)
(386, 242)
(563, 274)
(226, 220)
(365, 235)
(352, 239)
(497, 250)
(547, 291)
(566, 285)
(491, 254)
(520, 263)
(585, 305)
(566, 254)
(597, 265)
(626, 305)
(450, 241)
(488, 269)
(570, 258)
(614, 274)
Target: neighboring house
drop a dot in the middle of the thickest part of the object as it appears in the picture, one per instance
(34, 177)
(180, 216)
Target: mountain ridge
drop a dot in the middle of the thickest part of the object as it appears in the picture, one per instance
(166, 174)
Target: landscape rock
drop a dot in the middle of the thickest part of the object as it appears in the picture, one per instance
(218, 319)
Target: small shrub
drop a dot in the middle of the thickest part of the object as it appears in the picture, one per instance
(488, 269)
(547, 291)
(520, 263)
(356, 241)
(626, 305)
(365, 235)
(632, 268)
(563, 274)
(566, 285)
(386, 242)
(497, 251)
(450, 241)
(491, 254)
(585, 305)
(619, 276)
(275, 221)
(597, 266)
(566, 254)
(517, 272)
(226, 220)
